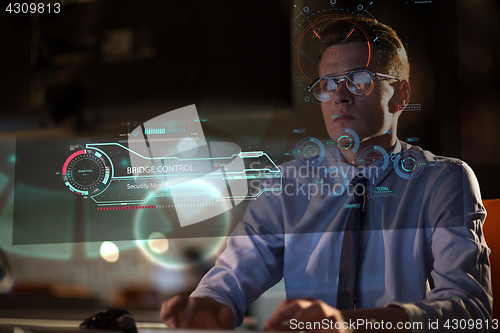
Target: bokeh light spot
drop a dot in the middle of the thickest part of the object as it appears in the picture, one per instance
(109, 251)
(157, 242)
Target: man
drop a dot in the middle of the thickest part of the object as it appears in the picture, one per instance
(420, 260)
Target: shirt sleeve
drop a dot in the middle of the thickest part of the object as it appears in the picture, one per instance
(461, 297)
(252, 261)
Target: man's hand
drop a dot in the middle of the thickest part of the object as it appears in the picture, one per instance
(302, 310)
(196, 312)
(311, 311)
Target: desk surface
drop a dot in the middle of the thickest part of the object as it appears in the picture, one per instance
(18, 325)
(66, 323)
(8, 325)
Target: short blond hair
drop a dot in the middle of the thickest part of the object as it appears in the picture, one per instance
(386, 46)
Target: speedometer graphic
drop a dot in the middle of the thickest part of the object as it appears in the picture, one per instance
(86, 172)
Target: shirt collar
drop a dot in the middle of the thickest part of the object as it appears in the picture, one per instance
(375, 173)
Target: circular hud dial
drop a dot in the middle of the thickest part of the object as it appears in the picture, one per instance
(344, 142)
(86, 172)
(409, 164)
(309, 151)
(371, 156)
(307, 39)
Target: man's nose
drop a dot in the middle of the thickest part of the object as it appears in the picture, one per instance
(343, 95)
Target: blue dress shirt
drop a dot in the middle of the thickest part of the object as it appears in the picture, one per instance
(423, 247)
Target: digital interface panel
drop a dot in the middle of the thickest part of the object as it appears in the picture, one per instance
(166, 164)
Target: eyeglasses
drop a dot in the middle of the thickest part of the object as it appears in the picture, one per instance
(358, 82)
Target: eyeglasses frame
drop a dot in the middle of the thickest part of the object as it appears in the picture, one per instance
(337, 78)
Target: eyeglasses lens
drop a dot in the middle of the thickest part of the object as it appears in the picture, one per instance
(358, 83)
(325, 89)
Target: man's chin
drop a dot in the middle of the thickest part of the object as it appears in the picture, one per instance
(333, 129)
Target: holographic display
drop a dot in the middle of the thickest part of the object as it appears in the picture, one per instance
(91, 172)
(168, 157)
(165, 164)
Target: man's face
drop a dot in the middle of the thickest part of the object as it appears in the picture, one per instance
(368, 115)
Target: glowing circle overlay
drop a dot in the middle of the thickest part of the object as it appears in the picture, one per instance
(341, 135)
(319, 20)
(87, 172)
(181, 252)
(377, 149)
(326, 189)
(406, 164)
(312, 151)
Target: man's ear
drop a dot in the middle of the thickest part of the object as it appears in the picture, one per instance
(402, 94)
